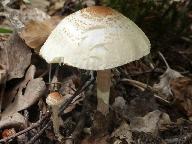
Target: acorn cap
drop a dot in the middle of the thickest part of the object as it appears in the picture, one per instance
(95, 38)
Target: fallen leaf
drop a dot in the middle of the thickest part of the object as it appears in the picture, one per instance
(29, 91)
(182, 94)
(164, 85)
(122, 133)
(15, 56)
(15, 120)
(35, 33)
(12, 93)
(150, 123)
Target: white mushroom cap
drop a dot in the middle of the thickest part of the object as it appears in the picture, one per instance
(95, 38)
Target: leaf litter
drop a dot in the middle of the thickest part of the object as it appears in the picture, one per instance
(138, 116)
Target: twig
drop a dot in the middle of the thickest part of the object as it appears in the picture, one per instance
(25, 130)
(40, 133)
(155, 70)
(144, 86)
(166, 63)
(81, 123)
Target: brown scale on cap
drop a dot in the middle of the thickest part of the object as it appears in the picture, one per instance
(99, 11)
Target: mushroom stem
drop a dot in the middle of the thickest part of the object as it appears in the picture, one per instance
(103, 90)
(56, 121)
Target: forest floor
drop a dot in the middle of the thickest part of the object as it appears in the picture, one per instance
(150, 99)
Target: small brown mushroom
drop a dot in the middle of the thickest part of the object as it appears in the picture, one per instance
(54, 100)
(8, 132)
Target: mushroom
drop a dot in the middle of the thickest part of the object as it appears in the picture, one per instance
(96, 38)
(54, 100)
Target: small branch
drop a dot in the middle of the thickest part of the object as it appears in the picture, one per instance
(81, 123)
(40, 133)
(166, 63)
(144, 86)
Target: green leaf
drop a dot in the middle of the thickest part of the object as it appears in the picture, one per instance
(5, 30)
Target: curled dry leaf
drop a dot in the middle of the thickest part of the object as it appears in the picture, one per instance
(11, 94)
(15, 120)
(164, 85)
(27, 94)
(122, 133)
(150, 123)
(15, 56)
(182, 92)
(36, 32)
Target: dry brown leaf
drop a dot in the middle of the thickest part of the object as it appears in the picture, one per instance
(15, 56)
(150, 123)
(28, 92)
(182, 92)
(14, 120)
(122, 133)
(35, 33)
